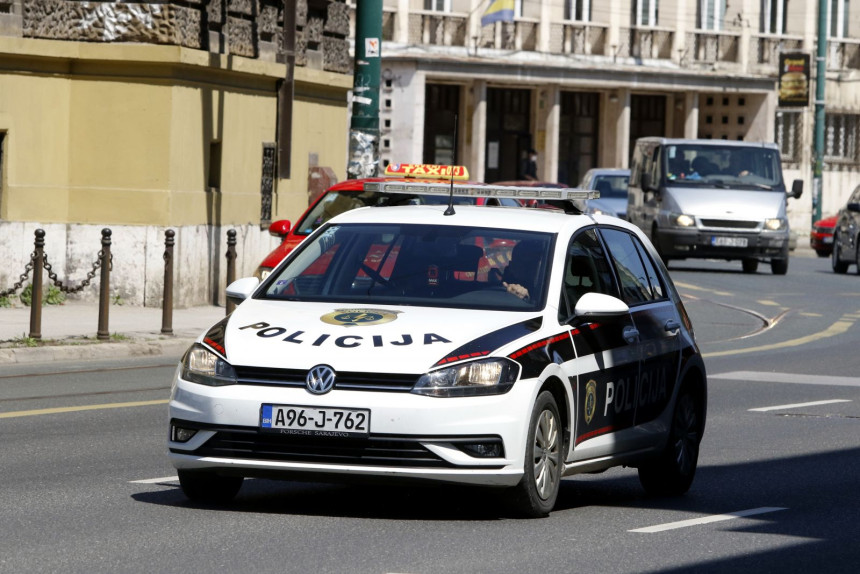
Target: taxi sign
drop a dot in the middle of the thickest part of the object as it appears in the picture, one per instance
(427, 171)
(473, 190)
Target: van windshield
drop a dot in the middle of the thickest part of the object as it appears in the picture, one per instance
(714, 165)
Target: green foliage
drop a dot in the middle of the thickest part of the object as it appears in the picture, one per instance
(117, 300)
(119, 337)
(5, 302)
(25, 341)
(53, 296)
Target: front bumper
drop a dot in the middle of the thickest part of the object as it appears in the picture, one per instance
(702, 243)
(412, 437)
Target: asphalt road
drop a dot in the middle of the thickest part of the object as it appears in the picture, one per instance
(86, 485)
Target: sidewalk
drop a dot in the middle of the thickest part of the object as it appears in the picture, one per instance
(69, 332)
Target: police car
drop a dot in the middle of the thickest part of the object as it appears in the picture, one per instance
(504, 347)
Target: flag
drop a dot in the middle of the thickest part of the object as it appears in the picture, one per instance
(498, 11)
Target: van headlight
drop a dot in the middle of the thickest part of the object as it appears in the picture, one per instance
(486, 377)
(200, 365)
(775, 224)
(682, 220)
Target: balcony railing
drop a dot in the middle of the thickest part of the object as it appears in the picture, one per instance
(765, 48)
(578, 38)
(646, 43)
(522, 34)
(843, 54)
(706, 46)
(438, 28)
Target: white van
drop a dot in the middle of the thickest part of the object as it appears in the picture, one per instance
(714, 199)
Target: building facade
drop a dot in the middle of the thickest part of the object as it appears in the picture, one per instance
(579, 81)
(144, 117)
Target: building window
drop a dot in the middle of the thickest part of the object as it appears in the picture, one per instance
(838, 15)
(579, 10)
(214, 179)
(711, 14)
(788, 135)
(773, 16)
(646, 12)
(267, 184)
(840, 137)
(437, 5)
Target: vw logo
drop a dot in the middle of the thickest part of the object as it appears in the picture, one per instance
(320, 379)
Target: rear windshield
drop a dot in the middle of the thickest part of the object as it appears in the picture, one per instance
(713, 165)
(427, 265)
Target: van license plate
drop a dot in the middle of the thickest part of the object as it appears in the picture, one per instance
(729, 241)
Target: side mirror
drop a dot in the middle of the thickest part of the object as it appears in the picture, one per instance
(241, 289)
(280, 228)
(599, 305)
(796, 189)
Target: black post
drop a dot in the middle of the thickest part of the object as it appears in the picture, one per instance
(36, 294)
(231, 264)
(103, 333)
(167, 304)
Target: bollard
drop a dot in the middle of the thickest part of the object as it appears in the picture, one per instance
(167, 304)
(36, 295)
(103, 333)
(231, 264)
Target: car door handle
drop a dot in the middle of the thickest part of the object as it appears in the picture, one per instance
(630, 334)
(672, 327)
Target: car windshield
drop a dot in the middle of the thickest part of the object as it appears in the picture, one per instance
(741, 167)
(611, 186)
(336, 202)
(428, 265)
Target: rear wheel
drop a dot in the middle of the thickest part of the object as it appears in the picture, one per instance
(536, 493)
(779, 266)
(206, 486)
(836, 262)
(749, 264)
(672, 472)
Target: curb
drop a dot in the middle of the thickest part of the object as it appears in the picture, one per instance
(134, 348)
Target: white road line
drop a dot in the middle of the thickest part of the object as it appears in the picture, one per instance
(707, 519)
(799, 405)
(156, 480)
(765, 377)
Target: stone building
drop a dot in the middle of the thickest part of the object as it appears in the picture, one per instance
(144, 117)
(580, 80)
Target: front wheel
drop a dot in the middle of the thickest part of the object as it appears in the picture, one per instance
(672, 472)
(779, 266)
(536, 493)
(836, 262)
(209, 487)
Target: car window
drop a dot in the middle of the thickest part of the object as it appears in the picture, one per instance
(433, 265)
(657, 289)
(632, 273)
(613, 186)
(586, 270)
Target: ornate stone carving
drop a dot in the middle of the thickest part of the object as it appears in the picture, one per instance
(240, 37)
(337, 20)
(313, 32)
(336, 55)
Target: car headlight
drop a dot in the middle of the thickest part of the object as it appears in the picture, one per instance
(200, 365)
(775, 224)
(486, 377)
(682, 220)
(262, 272)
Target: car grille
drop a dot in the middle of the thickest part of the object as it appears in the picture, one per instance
(345, 381)
(376, 450)
(730, 223)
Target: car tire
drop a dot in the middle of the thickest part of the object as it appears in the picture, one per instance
(779, 266)
(836, 262)
(672, 472)
(857, 257)
(535, 495)
(749, 265)
(209, 487)
(822, 253)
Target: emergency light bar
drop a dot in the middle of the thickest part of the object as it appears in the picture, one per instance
(471, 190)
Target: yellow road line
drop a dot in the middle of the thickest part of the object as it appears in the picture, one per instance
(36, 412)
(768, 302)
(836, 328)
(680, 285)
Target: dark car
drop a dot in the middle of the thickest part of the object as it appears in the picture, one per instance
(821, 236)
(846, 247)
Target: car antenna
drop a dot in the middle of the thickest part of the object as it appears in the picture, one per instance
(450, 210)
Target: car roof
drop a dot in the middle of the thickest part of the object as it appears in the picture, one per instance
(711, 142)
(607, 171)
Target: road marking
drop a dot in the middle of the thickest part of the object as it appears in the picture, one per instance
(679, 284)
(766, 377)
(837, 328)
(768, 302)
(707, 519)
(156, 480)
(56, 410)
(799, 405)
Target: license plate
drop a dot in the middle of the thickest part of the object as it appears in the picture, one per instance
(729, 241)
(315, 421)
(828, 239)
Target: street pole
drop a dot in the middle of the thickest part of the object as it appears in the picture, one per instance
(364, 128)
(820, 79)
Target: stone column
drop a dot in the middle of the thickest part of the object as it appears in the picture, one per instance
(478, 134)
(691, 109)
(401, 25)
(550, 100)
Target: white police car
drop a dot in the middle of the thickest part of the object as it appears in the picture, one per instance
(505, 347)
